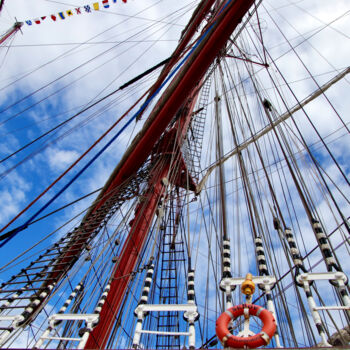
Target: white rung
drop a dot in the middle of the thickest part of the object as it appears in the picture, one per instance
(61, 338)
(190, 315)
(9, 318)
(332, 308)
(164, 333)
(90, 319)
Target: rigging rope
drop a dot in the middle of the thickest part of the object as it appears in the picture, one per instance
(7, 237)
(273, 124)
(140, 76)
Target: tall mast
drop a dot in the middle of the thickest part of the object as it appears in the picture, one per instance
(156, 242)
(182, 87)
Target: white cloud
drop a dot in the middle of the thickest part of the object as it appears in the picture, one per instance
(109, 70)
(59, 159)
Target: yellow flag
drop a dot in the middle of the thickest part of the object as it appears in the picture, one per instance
(96, 6)
(69, 13)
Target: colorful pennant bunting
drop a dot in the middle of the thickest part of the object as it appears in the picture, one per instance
(77, 11)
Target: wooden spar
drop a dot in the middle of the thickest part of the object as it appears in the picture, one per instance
(16, 27)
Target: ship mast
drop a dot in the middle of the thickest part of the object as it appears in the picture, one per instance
(184, 83)
(11, 32)
(160, 238)
(182, 86)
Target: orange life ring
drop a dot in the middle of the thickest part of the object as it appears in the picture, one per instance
(232, 341)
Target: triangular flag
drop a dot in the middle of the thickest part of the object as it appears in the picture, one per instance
(69, 13)
(43, 17)
(29, 22)
(53, 17)
(37, 20)
(96, 6)
(105, 4)
(61, 14)
(125, 1)
(87, 8)
(78, 11)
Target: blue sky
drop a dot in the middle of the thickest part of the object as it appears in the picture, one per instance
(128, 39)
(109, 73)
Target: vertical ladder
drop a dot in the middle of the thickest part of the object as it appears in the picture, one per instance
(25, 294)
(172, 256)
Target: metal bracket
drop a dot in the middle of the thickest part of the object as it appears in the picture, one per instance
(190, 314)
(12, 325)
(330, 276)
(268, 282)
(228, 282)
(90, 319)
(304, 280)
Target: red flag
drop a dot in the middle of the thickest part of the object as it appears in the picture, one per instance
(125, 1)
(53, 17)
(43, 17)
(37, 20)
(78, 11)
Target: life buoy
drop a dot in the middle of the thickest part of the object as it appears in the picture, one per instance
(232, 341)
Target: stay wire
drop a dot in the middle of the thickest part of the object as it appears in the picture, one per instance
(93, 43)
(65, 172)
(305, 145)
(308, 148)
(71, 50)
(290, 155)
(56, 230)
(87, 108)
(59, 78)
(312, 77)
(141, 109)
(51, 140)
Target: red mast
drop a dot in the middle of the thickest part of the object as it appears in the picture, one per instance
(181, 92)
(166, 157)
(182, 86)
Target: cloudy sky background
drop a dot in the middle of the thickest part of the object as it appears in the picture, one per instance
(128, 39)
(131, 48)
